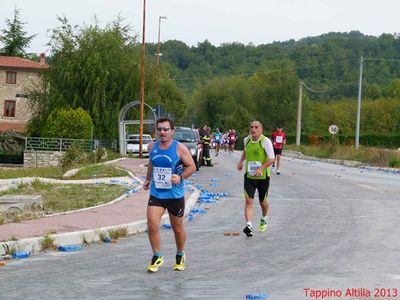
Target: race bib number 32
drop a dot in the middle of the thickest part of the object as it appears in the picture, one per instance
(162, 177)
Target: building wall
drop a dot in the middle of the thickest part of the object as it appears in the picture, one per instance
(26, 80)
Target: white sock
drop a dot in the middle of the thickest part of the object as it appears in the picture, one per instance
(265, 218)
(249, 224)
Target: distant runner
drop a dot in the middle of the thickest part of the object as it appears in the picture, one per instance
(278, 138)
(232, 136)
(217, 138)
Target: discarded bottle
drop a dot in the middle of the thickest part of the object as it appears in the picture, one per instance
(198, 211)
(21, 254)
(166, 226)
(107, 239)
(70, 248)
(256, 296)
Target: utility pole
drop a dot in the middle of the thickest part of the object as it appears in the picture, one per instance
(357, 141)
(142, 82)
(299, 107)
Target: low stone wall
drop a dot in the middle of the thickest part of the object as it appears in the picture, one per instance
(35, 158)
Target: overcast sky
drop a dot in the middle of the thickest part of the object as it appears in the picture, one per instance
(218, 21)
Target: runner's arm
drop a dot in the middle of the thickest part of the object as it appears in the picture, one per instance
(188, 163)
(243, 157)
(267, 145)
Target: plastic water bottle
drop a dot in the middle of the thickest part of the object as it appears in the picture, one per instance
(21, 254)
(107, 239)
(256, 296)
(69, 248)
(166, 226)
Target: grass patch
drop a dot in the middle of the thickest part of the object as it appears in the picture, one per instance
(118, 233)
(48, 243)
(91, 171)
(98, 171)
(58, 172)
(49, 172)
(65, 197)
(372, 156)
(60, 198)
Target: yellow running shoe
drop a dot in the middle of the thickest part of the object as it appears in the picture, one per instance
(263, 226)
(180, 263)
(156, 262)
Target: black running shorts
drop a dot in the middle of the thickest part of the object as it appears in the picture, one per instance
(175, 206)
(278, 151)
(251, 185)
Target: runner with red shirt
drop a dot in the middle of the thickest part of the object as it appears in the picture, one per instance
(278, 139)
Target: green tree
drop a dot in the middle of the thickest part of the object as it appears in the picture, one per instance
(224, 103)
(173, 100)
(14, 38)
(68, 123)
(275, 92)
(392, 90)
(96, 69)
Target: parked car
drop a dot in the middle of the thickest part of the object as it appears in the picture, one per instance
(191, 139)
(132, 144)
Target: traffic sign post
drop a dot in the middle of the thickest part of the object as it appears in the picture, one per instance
(333, 130)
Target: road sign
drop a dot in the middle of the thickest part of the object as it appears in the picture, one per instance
(333, 129)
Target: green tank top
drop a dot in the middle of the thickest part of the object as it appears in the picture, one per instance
(255, 157)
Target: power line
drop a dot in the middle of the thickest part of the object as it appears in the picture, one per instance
(314, 91)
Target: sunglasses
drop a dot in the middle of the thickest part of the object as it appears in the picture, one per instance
(159, 129)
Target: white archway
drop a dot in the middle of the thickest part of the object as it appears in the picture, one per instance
(122, 123)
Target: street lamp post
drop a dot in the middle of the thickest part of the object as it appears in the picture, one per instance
(357, 141)
(142, 82)
(159, 34)
(158, 52)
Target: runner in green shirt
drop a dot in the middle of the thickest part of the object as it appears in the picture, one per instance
(259, 156)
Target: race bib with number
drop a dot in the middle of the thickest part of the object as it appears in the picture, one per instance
(252, 167)
(279, 139)
(162, 177)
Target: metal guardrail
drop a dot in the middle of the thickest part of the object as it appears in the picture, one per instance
(53, 144)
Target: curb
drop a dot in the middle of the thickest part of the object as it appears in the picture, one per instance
(299, 155)
(90, 235)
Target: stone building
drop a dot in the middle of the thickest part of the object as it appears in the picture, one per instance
(17, 76)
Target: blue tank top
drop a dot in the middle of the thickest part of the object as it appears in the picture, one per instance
(165, 163)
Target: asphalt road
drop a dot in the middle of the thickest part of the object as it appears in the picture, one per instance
(331, 229)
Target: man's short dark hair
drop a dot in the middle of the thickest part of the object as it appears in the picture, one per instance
(171, 123)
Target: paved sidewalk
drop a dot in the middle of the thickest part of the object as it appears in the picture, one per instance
(72, 228)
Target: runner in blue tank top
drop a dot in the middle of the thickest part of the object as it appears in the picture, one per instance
(170, 162)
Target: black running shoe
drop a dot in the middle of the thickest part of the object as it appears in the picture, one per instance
(248, 230)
